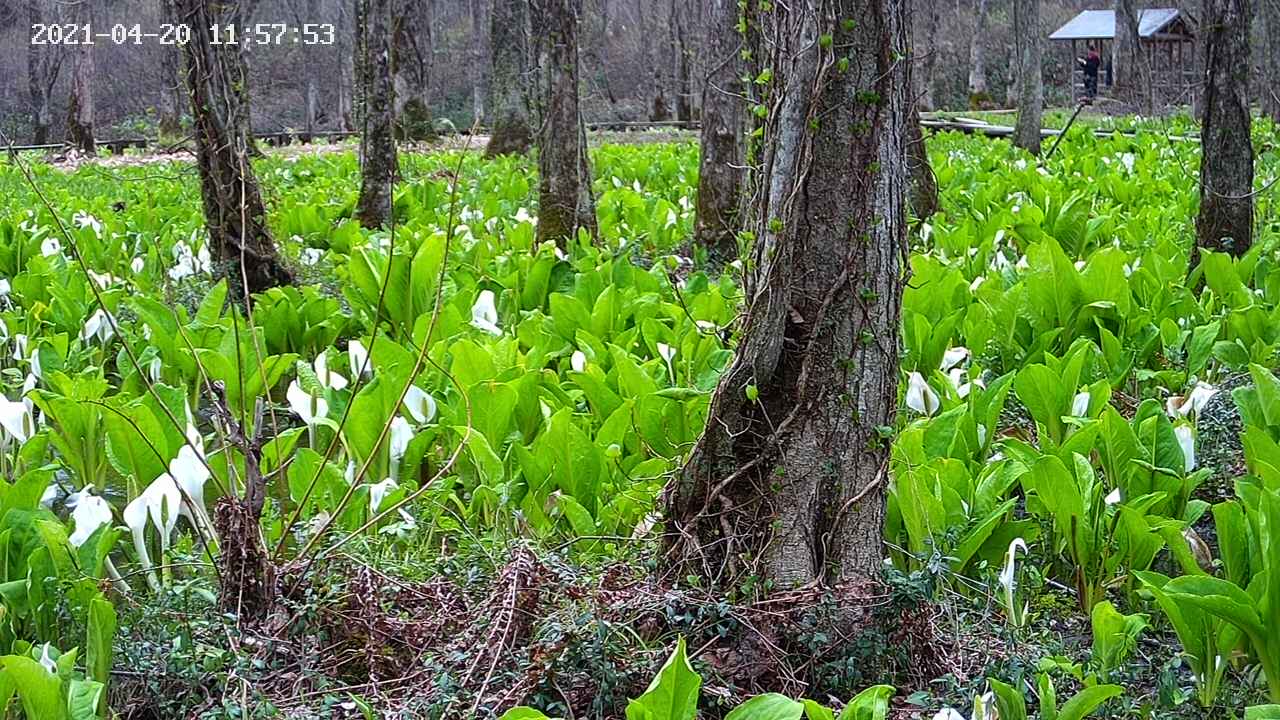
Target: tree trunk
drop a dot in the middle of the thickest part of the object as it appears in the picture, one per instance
(412, 50)
(233, 209)
(923, 194)
(565, 199)
(721, 166)
(314, 69)
(43, 64)
(978, 95)
(509, 56)
(926, 55)
(171, 97)
(681, 70)
(80, 108)
(1130, 76)
(787, 483)
(1026, 34)
(346, 69)
(1270, 12)
(1225, 221)
(378, 162)
(476, 8)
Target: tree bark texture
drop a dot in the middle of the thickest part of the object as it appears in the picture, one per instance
(978, 94)
(233, 208)
(787, 482)
(723, 154)
(478, 64)
(925, 54)
(565, 199)
(172, 96)
(1028, 50)
(1270, 12)
(412, 59)
(43, 65)
(80, 108)
(509, 78)
(378, 161)
(1225, 221)
(923, 193)
(314, 69)
(346, 69)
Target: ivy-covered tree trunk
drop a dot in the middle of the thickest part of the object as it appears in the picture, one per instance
(233, 208)
(379, 164)
(80, 108)
(565, 199)
(1270, 85)
(509, 78)
(1028, 50)
(1225, 221)
(787, 483)
(978, 94)
(722, 163)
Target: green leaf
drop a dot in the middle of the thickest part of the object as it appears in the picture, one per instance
(1083, 703)
(673, 694)
(86, 699)
(870, 704)
(524, 713)
(1009, 702)
(39, 690)
(770, 706)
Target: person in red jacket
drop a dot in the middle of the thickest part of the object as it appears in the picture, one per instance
(1090, 62)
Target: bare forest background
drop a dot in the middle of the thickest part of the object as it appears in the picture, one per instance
(641, 60)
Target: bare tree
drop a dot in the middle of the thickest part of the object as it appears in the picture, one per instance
(1225, 221)
(172, 97)
(1028, 51)
(412, 60)
(313, 79)
(43, 64)
(478, 64)
(926, 55)
(565, 200)
(722, 163)
(378, 162)
(978, 94)
(1270, 84)
(787, 483)
(233, 209)
(346, 67)
(509, 76)
(80, 108)
(1129, 66)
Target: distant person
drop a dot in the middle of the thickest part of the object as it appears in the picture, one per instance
(1090, 62)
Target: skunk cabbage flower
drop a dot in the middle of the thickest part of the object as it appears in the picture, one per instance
(379, 491)
(484, 314)
(921, 397)
(578, 361)
(401, 433)
(359, 357)
(50, 247)
(1112, 497)
(1007, 580)
(420, 404)
(1187, 440)
(17, 419)
(100, 325)
(309, 408)
(47, 661)
(138, 265)
(954, 357)
(89, 512)
(160, 502)
(1180, 407)
(1080, 404)
(327, 377)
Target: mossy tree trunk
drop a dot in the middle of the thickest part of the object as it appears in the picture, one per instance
(233, 208)
(1028, 51)
(787, 483)
(1225, 220)
(978, 93)
(721, 166)
(379, 164)
(509, 78)
(412, 61)
(565, 199)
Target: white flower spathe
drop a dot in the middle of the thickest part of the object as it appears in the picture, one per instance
(1112, 497)
(160, 504)
(309, 408)
(401, 434)
(953, 357)
(17, 419)
(50, 247)
(420, 404)
(1179, 407)
(578, 361)
(359, 357)
(920, 397)
(100, 325)
(1080, 404)
(85, 220)
(484, 313)
(327, 377)
(90, 513)
(378, 492)
(137, 265)
(1187, 441)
